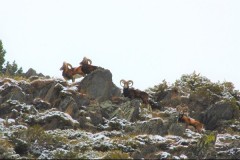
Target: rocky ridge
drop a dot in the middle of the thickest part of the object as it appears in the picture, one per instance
(50, 118)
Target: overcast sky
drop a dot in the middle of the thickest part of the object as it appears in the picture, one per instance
(146, 41)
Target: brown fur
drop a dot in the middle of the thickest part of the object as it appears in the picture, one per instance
(133, 93)
(190, 121)
(87, 66)
(71, 73)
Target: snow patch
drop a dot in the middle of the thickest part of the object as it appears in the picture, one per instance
(63, 115)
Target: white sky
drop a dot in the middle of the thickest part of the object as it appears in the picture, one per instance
(142, 40)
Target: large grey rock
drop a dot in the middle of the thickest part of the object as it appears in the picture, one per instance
(152, 126)
(131, 111)
(98, 85)
(14, 109)
(53, 119)
(43, 94)
(41, 104)
(40, 88)
(12, 92)
(177, 129)
(218, 112)
(70, 102)
(9, 89)
(30, 72)
(128, 110)
(58, 95)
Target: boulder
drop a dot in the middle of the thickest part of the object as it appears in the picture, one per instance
(96, 118)
(15, 109)
(107, 109)
(30, 72)
(53, 119)
(98, 85)
(69, 102)
(131, 111)
(216, 113)
(177, 129)
(41, 87)
(116, 124)
(152, 126)
(12, 92)
(41, 104)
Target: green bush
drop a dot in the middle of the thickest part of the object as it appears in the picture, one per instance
(9, 69)
(2, 56)
(189, 82)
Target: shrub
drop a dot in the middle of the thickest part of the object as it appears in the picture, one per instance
(116, 155)
(64, 154)
(36, 134)
(158, 91)
(6, 148)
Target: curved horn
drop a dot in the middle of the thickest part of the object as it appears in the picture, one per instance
(122, 81)
(85, 61)
(130, 83)
(68, 64)
(89, 60)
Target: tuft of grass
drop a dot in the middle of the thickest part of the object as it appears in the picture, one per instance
(206, 144)
(117, 155)
(5, 148)
(37, 134)
(15, 77)
(64, 154)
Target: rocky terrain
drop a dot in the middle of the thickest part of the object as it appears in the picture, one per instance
(46, 118)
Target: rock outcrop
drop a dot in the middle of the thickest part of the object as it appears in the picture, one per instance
(219, 112)
(98, 85)
(51, 119)
(32, 74)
